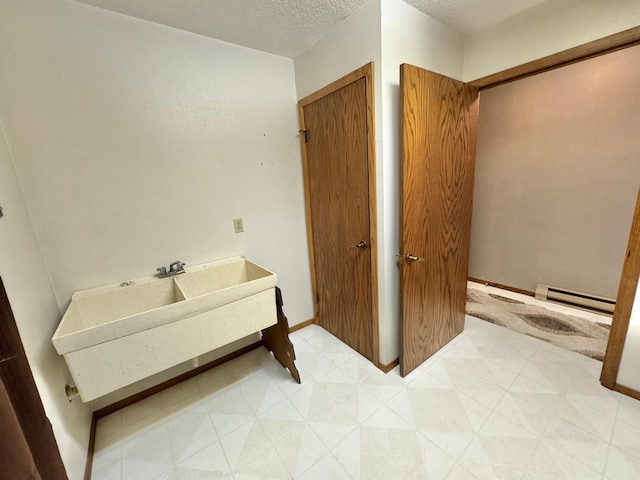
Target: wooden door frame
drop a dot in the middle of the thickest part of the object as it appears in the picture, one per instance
(16, 376)
(622, 313)
(365, 72)
(602, 46)
(629, 278)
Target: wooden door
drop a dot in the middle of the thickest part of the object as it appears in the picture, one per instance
(337, 174)
(438, 128)
(28, 448)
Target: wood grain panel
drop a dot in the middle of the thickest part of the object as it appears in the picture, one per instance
(15, 457)
(624, 304)
(17, 380)
(336, 156)
(438, 128)
(365, 72)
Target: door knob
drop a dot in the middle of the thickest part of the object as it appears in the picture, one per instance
(410, 258)
(362, 244)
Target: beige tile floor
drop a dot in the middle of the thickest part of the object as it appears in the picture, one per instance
(491, 404)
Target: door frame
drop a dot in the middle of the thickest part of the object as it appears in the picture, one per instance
(365, 72)
(622, 312)
(595, 48)
(23, 395)
(629, 278)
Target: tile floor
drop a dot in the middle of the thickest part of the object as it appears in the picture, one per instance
(491, 404)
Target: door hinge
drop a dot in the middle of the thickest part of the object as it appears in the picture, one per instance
(317, 297)
(303, 133)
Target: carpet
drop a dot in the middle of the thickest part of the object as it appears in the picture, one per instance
(565, 331)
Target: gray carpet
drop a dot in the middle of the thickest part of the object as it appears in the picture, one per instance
(565, 331)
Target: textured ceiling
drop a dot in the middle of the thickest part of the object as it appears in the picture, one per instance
(467, 16)
(289, 27)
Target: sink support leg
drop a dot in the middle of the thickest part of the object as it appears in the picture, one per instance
(276, 340)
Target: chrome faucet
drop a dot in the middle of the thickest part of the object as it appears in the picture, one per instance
(175, 268)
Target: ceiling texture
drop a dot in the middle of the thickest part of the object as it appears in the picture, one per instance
(289, 27)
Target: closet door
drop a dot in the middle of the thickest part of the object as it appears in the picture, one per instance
(438, 128)
(337, 143)
(28, 448)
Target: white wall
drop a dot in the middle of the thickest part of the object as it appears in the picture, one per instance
(389, 32)
(36, 313)
(137, 144)
(549, 28)
(628, 372)
(557, 173)
(349, 45)
(408, 36)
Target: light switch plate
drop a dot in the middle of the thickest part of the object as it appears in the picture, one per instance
(237, 225)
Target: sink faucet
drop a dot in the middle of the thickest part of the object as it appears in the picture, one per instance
(175, 268)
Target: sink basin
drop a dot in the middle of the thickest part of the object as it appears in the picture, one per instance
(118, 334)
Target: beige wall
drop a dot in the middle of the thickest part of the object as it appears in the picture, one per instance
(137, 144)
(547, 28)
(557, 171)
(34, 307)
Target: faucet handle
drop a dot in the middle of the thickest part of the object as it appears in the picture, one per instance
(163, 271)
(176, 266)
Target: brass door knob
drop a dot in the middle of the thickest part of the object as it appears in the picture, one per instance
(410, 258)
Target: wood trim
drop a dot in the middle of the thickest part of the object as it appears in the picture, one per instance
(390, 366)
(91, 448)
(307, 209)
(366, 72)
(109, 409)
(503, 287)
(627, 391)
(17, 378)
(373, 211)
(163, 386)
(104, 411)
(15, 454)
(611, 43)
(301, 325)
(624, 304)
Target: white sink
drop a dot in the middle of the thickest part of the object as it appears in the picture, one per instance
(115, 335)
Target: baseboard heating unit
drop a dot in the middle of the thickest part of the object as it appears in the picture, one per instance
(575, 299)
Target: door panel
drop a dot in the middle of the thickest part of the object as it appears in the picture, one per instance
(28, 449)
(338, 183)
(438, 129)
(15, 456)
